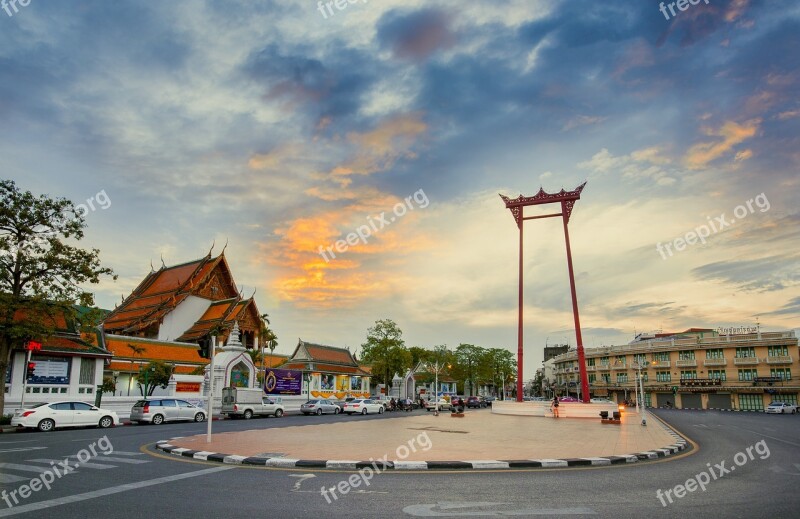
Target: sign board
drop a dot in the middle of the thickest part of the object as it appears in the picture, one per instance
(283, 382)
(50, 370)
(187, 387)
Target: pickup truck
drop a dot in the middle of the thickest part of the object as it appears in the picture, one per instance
(247, 403)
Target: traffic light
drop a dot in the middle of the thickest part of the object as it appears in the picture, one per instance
(33, 346)
(30, 370)
(205, 347)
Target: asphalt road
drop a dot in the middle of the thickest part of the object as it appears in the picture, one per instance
(133, 482)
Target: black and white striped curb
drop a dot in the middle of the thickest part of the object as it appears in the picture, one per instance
(279, 462)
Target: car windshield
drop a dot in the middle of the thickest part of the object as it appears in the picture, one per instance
(40, 404)
(312, 402)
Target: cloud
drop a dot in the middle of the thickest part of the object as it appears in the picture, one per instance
(416, 35)
(647, 163)
(730, 134)
(767, 274)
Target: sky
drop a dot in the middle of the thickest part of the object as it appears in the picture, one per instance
(283, 127)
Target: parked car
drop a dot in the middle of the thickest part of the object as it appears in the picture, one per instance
(47, 416)
(601, 401)
(781, 407)
(363, 406)
(476, 401)
(383, 399)
(160, 410)
(442, 405)
(568, 399)
(489, 400)
(319, 407)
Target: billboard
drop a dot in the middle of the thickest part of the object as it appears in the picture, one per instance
(283, 382)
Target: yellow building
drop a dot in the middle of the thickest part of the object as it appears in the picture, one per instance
(695, 369)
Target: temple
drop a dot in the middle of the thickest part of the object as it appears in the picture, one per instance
(331, 372)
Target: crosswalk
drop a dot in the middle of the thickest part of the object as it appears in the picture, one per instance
(39, 465)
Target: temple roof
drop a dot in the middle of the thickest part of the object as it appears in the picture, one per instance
(168, 351)
(317, 357)
(162, 290)
(219, 313)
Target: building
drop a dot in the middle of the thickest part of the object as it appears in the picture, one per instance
(698, 368)
(68, 366)
(170, 312)
(554, 351)
(328, 372)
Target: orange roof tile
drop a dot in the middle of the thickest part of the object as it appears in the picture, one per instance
(327, 368)
(153, 350)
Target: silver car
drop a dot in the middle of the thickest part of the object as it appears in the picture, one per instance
(160, 410)
(319, 407)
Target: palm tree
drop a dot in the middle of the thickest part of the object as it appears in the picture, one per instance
(268, 339)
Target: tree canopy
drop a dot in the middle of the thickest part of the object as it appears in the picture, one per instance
(42, 274)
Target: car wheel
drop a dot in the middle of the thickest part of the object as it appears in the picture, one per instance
(278, 413)
(336, 410)
(364, 411)
(248, 414)
(319, 412)
(199, 417)
(380, 411)
(46, 425)
(105, 422)
(158, 419)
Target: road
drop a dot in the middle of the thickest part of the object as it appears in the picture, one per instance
(132, 481)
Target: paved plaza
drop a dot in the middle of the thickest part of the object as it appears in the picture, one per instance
(478, 435)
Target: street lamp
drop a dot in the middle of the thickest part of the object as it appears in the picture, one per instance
(640, 389)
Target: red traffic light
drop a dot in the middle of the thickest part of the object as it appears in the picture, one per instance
(33, 346)
(31, 369)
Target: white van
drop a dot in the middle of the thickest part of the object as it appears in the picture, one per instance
(242, 402)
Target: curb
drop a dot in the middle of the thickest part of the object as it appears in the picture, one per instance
(233, 459)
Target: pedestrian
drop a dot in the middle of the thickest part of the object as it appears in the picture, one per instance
(554, 407)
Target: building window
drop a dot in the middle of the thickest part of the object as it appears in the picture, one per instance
(622, 378)
(747, 374)
(604, 361)
(686, 355)
(742, 353)
(619, 360)
(640, 358)
(661, 356)
(590, 362)
(714, 354)
(751, 402)
(778, 351)
(688, 374)
(663, 376)
(784, 373)
(606, 378)
(87, 371)
(592, 378)
(717, 373)
(644, 377)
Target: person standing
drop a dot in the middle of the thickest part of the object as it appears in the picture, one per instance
(554, 406)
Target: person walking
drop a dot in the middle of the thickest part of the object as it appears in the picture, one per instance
(554, 407)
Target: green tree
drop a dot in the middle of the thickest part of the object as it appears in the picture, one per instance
(499, 365)
(41, 276)
(386, 351)
(155, 373)
(419, 354)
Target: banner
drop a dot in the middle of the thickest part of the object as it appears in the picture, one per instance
(283, 382)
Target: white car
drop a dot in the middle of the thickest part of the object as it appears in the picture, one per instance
(47, 416)
(781, 407)
(363, 406)
(442, 405)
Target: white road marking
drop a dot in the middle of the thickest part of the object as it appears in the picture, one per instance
(301, 478)
(124, 453)
(41, 505)
(19, 441)
(442, 510)
(26, 468)
(768, 436)
(8, 478)
(81, 465)
(23, 449)
(118, 460)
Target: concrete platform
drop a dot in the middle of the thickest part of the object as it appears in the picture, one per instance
(478, 440)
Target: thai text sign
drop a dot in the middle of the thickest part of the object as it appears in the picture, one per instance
(283, 382)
